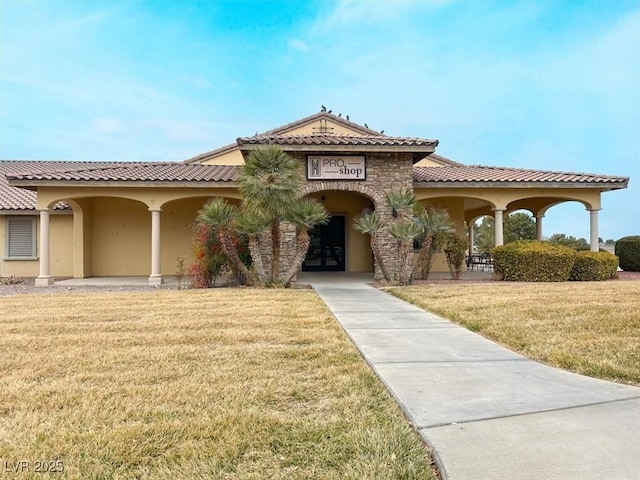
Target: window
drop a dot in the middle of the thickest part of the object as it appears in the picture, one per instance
(21, 237)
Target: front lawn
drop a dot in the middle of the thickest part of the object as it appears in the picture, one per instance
(230, 383)
(592, 328)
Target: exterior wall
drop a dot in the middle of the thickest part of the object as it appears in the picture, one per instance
(121, 238)
(61, 245)
(232, 157)
(61, 232)
(176, 230)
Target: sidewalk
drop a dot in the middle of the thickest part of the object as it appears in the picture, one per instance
(487, 412)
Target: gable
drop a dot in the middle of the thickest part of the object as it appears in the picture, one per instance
(319, 123)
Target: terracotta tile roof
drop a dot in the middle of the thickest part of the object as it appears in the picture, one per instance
(319, 139)
(137, 172)
(13, 198)
(486, 175)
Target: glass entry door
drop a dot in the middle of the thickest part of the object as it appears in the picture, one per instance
(327, 247)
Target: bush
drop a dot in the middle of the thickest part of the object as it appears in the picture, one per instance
(534, 261)
(594, 266)
(455, 250)
(628, 252)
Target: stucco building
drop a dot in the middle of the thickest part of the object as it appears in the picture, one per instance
(83, 219)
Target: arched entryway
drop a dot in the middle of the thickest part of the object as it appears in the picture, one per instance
(338, 246)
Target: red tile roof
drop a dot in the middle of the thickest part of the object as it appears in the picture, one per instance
(34, 172)
(13, 198)
(499, 175)
(137, 172)
(318, 139)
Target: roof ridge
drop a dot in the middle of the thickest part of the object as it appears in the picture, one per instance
(288, 126)
(316, 116)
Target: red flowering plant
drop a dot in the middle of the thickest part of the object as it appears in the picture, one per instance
(209, 260)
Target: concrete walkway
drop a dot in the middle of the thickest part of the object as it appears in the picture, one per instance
(487, 412)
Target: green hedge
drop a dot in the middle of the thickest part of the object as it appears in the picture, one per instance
(534, 261)
(594, 266)
(628, 251)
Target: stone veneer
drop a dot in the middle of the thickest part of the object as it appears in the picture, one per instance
(384, 171)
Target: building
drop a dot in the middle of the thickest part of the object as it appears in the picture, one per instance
(83, 219)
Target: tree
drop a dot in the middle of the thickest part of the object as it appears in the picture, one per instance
(269, 182)
(220, 216)
(372, 224)
(569, 241)
(434, 224)
(484, 234)
(304, 214)
(404, 232)
(401, 202)
(517, 226)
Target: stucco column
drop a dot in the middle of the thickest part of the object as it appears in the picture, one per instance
(156, 277)
(498, 224)
(539, 227)
(470, 242)
(44, 278)
(593, 229)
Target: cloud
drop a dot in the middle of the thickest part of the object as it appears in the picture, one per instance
(200, 83)
(299, 45)
(106, 125)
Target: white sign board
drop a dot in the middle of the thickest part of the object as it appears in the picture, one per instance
(343, 167)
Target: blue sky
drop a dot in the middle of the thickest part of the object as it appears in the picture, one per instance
(544, 85)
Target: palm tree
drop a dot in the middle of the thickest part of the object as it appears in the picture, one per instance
(252, 224)
(434, 224)
(304, 214)
(220, 216)
(269, 182)
(400, 201)
(372, 223)
(404, 232)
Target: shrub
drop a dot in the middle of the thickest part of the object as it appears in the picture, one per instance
(209, 262)
(455, 250)
(534, 261)
(594, 266)
(628, 251)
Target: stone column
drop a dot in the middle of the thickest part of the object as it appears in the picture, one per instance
(539, 227)
(593, 228)
(471, 231)
(498, 224)
(156, 277)
(44, 278)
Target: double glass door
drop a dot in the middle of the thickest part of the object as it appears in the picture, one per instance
(327, 247)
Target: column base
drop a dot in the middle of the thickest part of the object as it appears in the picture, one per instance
(155, 280)
(44, 281)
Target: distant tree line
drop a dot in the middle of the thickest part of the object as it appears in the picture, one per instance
(522, 226)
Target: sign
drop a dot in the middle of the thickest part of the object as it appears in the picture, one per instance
(343, 167)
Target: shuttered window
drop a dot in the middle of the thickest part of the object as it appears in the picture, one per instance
(21, 237)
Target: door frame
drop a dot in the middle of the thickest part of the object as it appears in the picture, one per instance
(344, 248)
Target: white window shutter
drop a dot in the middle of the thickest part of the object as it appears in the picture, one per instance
(21, 241)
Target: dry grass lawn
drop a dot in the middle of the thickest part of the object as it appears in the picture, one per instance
(592, 328)
(216, 384)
